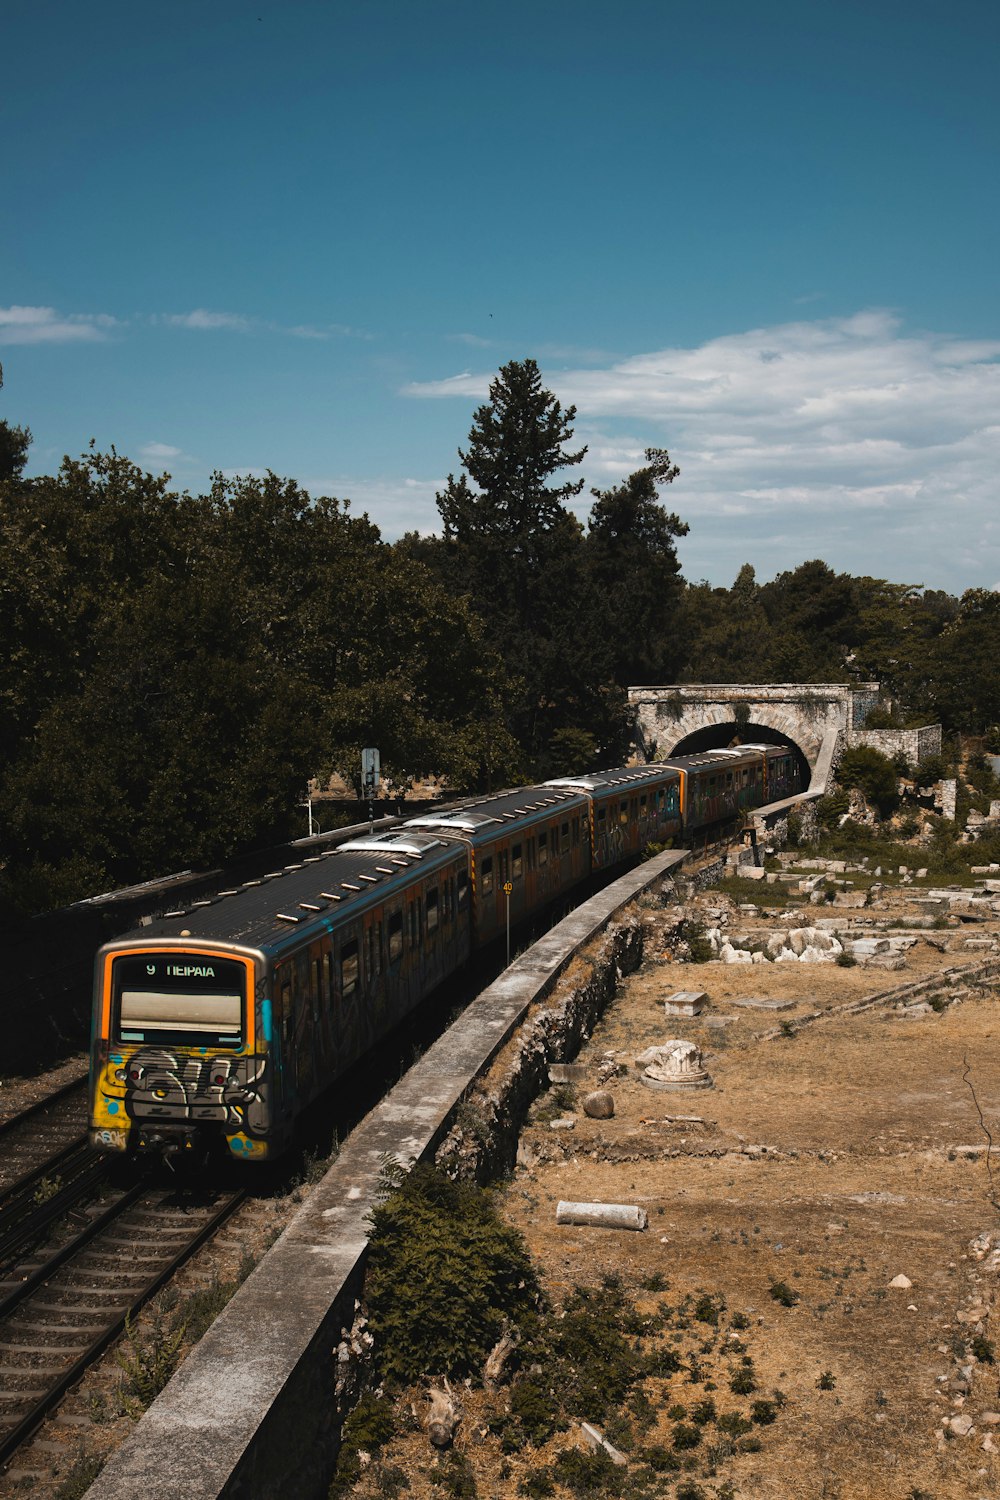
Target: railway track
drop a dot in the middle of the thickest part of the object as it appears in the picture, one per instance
(63, 1302)
(37, 1142)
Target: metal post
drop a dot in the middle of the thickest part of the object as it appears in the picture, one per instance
(508, 887)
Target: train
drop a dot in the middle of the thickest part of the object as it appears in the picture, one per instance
(216, 1025)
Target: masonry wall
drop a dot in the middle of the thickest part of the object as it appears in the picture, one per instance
(916, 744)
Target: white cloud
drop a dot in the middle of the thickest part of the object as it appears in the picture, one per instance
(202, 318)
(43, 325)
(155, 451)
(848, 438)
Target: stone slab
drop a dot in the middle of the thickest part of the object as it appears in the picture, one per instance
(756, 1002)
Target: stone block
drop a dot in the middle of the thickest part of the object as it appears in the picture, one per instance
(568, 1072)
(685, 1003)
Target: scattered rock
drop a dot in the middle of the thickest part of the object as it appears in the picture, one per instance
(599, 1105)
(901, 1281)
(565, 1122)
(961, 1425)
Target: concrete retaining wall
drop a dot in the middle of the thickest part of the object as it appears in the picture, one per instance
(253, 1412)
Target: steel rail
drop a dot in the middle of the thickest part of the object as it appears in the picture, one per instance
(40, 1105)
(68, 1377)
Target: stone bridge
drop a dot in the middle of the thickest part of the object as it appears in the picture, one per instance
(816, 718)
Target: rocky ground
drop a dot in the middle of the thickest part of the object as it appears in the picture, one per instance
(839, 1154)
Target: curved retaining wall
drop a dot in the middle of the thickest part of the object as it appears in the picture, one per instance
(252, 1412)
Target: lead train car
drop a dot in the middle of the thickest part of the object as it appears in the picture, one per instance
(221, 1023)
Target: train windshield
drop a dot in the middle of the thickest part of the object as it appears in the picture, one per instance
(188, 999)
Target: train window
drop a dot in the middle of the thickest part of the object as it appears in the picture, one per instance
(487, 869)
(315, 989)
(623, 812)
(378, 947)
(602, 818)
(642, 804)
(543, 848)
(516, 862)
(432, 911)
(565, 831)
(286, 1011)
(369, 949)
(463, 889)
(327, 977)
(349, 966)
(576, 830)
(729, 778)
(414, 922)
(395, 936)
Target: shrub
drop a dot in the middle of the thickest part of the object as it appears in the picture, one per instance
(827, 1381)
(660, 1459)
(707, 1309)
(366, 1429)
(453, 1475)
(873, 773)
(703, 1412)
(983, 1349)
(686, 1436)
(764, 1412)
(588, 1473)
(732, 1424)
(783, 1293)
(445, 1274)
(742, 1382)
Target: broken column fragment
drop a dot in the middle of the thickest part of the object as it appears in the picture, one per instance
(602, 1215)
(674, 1065)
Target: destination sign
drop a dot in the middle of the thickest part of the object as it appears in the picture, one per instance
(185, 973)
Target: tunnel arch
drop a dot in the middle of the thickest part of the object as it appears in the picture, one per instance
(729, 735)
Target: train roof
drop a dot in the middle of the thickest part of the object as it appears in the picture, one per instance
(618, 776)
(490, 814)
(265, 913)
(724, 757)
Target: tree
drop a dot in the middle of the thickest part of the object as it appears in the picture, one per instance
(515, 446)
(14, 445)
(632, 554)
(512, 544)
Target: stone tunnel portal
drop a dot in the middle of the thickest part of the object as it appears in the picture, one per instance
(728, 736)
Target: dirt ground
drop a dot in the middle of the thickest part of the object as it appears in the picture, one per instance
(833, 1153)
(832, 1159)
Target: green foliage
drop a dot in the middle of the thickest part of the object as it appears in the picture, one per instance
(445, 1275)
(764, 1412)
(587, 1354)
(80, 1477)
(783, 1293)
(831, 808)
(742, 1382)
(708, 1309)
(367, 1429)
(930, 770)
(732, 1424)
(147, 1357)
(984, 1349)
(872, 773)
(827, 1381)
(588, 1473)
(686, 1436)
(453, 1476)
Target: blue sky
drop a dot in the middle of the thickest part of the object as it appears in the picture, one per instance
(239, 236)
